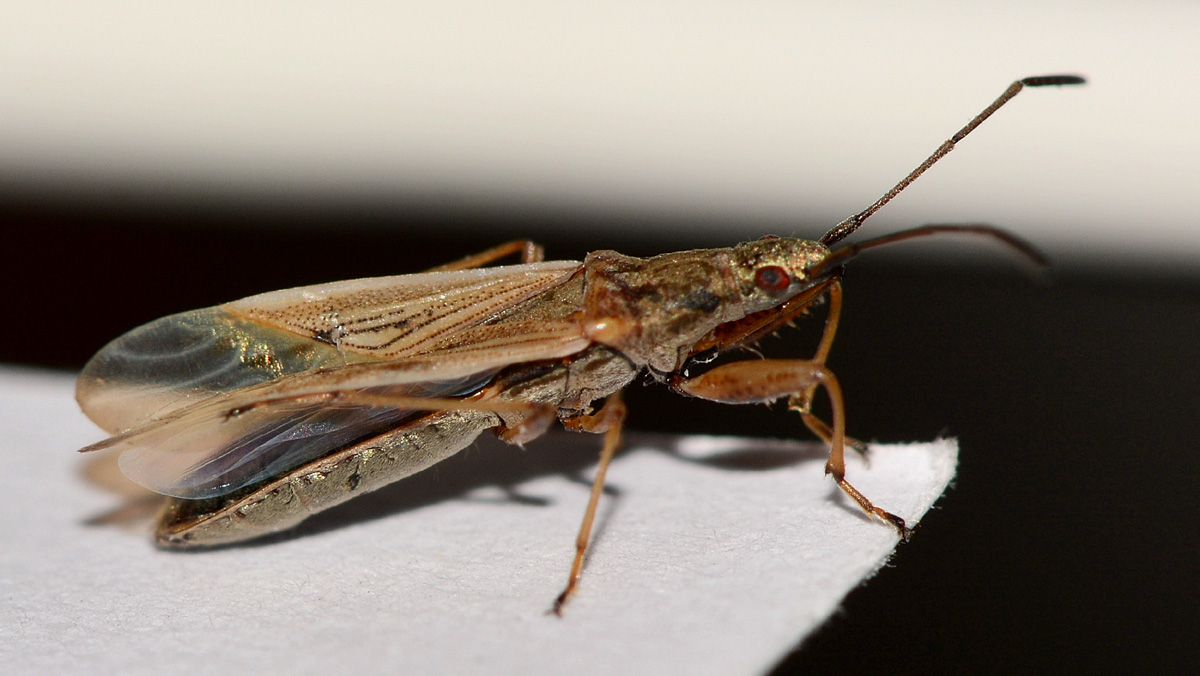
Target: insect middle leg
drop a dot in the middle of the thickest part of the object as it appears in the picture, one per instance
(531, 420)
(750, 382)
(608, 420)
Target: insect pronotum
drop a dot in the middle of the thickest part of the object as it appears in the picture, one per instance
(255, 414)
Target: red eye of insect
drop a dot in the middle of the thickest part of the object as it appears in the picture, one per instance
(772, 278)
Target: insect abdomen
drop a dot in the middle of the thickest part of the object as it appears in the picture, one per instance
(282, 503)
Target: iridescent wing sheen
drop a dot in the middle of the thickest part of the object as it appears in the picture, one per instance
(177, 361)
(234, 438)
(196, 458)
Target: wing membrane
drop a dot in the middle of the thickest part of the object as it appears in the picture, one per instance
(177, 361)
(232, 438)
(181, 359)
(197, 458)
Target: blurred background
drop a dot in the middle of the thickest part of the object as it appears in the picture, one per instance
(157, 157)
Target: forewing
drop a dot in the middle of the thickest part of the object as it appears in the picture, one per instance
(397, 317)
(232, 438)
(177, 361)
(185, 358)
(196, 458)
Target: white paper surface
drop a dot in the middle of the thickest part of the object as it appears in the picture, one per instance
(711, 556)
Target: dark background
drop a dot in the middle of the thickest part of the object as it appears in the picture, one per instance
(1068, 542)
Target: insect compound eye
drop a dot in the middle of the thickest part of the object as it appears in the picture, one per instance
(772, 278)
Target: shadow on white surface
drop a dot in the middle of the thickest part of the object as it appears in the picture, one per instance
(714, 555)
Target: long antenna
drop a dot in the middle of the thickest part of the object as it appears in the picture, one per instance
(840, 255)
(845, 228)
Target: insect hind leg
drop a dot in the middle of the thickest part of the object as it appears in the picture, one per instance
(530, 251)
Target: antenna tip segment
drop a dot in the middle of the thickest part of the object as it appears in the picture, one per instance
(1053, 80)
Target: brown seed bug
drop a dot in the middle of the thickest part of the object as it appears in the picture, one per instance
(255, 414)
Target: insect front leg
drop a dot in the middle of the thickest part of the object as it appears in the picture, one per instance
(802, 402)
(750, 382)
(608, 420)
